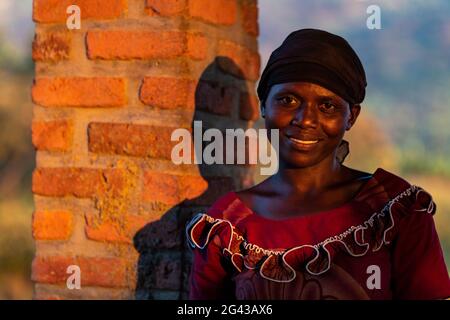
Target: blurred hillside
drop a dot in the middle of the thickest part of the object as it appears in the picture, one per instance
(16, 151)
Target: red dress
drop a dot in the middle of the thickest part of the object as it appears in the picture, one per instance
(381, 245)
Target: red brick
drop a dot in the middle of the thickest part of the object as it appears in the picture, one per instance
(248, 107)
(121, 231)
(165, 7)
(78, 182)
(51, 47)
(46, 296)
(222, 12)
(136, 44)
(250, 17)
(103, 272)
(52, 225)
(131, 140)
(160, 187)
(190, 187)
(171, 189)
(80, 92)
(197, 46)
(52, 135)
(238, 60)
(48, 11)
(168, 93)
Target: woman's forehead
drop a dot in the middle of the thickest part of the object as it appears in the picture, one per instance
(304, 88)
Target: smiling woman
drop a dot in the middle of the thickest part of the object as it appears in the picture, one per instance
(311, 119)
(317, 229)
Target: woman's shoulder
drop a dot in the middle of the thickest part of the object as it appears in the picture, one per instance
(391, 189)
(221, 204)
(217, 223)
(228, 207)
(391, 181)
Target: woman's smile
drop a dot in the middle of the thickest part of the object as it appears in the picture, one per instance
(304, 141)
(302, 144)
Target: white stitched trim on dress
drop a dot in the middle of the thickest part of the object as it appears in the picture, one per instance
(338, 238)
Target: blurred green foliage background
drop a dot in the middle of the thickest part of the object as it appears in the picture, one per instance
(16, 151)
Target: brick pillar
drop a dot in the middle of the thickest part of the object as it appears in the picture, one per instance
(106, 98)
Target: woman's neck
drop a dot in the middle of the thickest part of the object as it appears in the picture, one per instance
(309, 180)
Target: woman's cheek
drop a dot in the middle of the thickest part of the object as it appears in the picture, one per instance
(278, 117)
(276, 121)
(333, 127)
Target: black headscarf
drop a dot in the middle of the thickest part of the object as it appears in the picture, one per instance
(319, 57)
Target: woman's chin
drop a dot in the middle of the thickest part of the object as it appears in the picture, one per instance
(297, 157)
(299, 161)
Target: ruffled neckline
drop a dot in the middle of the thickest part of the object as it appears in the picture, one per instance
(366, 187)
(281, 264)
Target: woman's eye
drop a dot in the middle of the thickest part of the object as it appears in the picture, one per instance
(287, 100)
(328, 107)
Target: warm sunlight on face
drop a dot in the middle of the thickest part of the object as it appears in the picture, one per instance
(312, 121)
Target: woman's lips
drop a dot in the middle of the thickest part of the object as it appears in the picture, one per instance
(303, 144)
(303, 141)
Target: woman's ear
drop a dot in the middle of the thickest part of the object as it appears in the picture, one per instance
(354, 113)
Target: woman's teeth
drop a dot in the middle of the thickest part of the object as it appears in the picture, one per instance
(304, 141)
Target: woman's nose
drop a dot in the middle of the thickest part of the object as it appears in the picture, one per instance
(305, 116)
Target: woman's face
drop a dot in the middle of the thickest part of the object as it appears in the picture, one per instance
(312, 121)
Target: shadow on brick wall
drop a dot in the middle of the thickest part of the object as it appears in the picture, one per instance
(163, 270)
